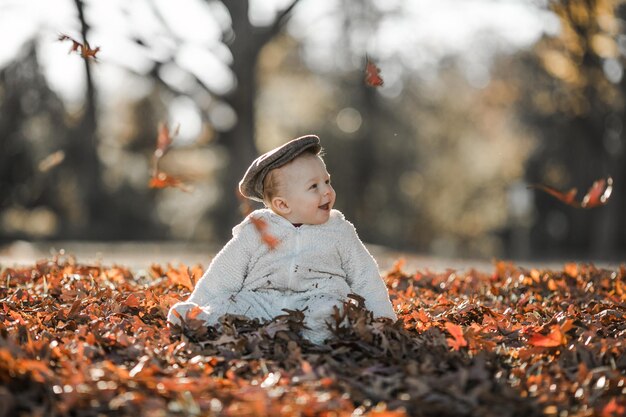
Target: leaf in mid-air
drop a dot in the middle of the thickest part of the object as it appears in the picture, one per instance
(372, 74)
(598, 194)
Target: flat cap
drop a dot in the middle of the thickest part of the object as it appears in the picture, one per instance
(251, 185)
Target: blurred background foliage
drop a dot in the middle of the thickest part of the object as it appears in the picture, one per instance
(438, 160)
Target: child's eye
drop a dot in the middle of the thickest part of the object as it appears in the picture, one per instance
(313, 186)
(328, 181)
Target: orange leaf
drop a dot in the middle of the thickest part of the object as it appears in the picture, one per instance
(267, 238)
(270, 240)
(567, 325)
(163, 180)
(372, 74)
(387, 413)
(164, 139)
(132, 301)
(193, 313)
(457, 333)
(87, 52)
(571, 269)
(613, 408)
(83, 48)
(598, 194)
(181, 276)
(552, 339)
(260, 224)
(568, 198)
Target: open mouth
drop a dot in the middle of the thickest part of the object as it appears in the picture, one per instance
(325, 206)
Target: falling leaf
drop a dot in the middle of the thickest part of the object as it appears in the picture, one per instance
(568, 197)
(164, 139)
(82, 48)
(159, 178)
(372, 74)
(163, 180)
(598, 194)
(261, 226)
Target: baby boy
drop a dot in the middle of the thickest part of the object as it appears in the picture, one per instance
(317, 260)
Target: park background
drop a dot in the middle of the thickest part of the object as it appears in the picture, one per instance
(480, 100)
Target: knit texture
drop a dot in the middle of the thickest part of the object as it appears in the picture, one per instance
(313, 267)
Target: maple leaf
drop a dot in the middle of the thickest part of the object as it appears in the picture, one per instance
(372, 74)
(456, 332)
(181, 276)
(132, 301)
(83, 48)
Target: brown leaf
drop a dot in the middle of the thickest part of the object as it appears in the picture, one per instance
(372, 74)
(163, 180)
(598, 194)
(83, 48)
(552, 339)
(456, 332)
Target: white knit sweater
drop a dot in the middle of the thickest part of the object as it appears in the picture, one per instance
(313, 267)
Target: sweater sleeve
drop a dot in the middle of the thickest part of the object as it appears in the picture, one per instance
(362, 274)
(229, 268)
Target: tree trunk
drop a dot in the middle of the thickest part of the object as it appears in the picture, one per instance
(82, 155)
(239, 142)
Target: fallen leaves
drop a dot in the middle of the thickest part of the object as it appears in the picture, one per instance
(82, 340)
(554, 338)
(457, 341)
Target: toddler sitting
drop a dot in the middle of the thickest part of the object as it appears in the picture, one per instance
(313, 261)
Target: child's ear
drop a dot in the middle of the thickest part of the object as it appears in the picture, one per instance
(280, 205)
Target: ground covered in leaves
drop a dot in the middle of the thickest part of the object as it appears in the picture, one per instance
(88, 340)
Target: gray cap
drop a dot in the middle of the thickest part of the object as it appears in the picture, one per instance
(251, 185)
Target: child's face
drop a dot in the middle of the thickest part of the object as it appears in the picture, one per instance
(305, 195)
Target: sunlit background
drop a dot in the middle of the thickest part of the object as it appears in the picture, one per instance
(480, 100)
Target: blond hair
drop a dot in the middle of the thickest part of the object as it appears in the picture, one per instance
(270, 186)
(271, 183)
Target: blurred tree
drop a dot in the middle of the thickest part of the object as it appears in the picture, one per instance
(82, 156)
(245, 41)
(104, 212)
(28, 110)
(419, 164)
(576, 107)
(245, 45)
